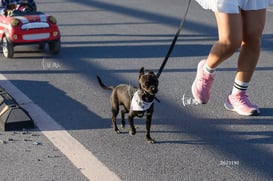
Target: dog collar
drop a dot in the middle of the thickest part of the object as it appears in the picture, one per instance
(137, 104)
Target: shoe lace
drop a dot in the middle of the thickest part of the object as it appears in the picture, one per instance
(243, 98)
(206, 80)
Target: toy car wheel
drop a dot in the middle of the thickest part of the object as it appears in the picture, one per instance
(8, 48)
(54, 47)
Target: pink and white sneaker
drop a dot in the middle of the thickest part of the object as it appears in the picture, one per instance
(202, 84)
(240, 103)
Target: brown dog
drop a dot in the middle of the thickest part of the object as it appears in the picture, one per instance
(136, 101)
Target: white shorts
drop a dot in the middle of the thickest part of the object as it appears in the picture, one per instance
(234, 6)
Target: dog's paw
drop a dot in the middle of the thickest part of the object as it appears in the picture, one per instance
(132, 132)
(151, 141)
(117, 131)
(122, 126)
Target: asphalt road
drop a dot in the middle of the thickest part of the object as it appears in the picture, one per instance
(114, 39)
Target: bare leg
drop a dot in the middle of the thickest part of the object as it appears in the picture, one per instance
(253, 26)
(230, 28)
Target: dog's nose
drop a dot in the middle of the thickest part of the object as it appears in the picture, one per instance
(154, 89)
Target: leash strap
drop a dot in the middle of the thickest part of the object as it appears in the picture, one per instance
(174, 41)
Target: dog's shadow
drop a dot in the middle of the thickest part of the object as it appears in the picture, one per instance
(140, 131)
(186, 142)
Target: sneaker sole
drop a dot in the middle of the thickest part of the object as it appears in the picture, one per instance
(229, 107)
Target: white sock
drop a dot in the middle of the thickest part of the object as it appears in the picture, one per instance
(209, 70)
(239, 86)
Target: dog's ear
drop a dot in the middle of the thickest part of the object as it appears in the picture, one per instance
(151, 72)
(141, 72)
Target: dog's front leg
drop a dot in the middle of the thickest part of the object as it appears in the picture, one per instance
(148, 127)
(132, 130)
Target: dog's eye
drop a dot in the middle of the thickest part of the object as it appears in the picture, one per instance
(147, 84)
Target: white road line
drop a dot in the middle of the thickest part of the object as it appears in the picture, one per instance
(82, 158)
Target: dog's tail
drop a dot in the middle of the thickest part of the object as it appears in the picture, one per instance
(104, 86)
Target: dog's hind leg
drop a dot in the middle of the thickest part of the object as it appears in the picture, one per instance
(115, 110)
(123, 112)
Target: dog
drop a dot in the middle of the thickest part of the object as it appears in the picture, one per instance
(137, 102)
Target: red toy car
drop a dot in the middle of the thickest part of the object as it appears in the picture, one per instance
(29, 27)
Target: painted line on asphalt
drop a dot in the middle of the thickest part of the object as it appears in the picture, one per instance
(82, 158)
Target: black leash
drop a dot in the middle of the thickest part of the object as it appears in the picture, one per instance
(174, 41)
